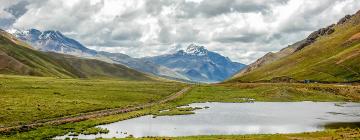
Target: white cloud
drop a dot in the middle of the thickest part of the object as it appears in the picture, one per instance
(240, 29)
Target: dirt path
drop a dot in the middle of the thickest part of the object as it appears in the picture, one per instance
(95, 114)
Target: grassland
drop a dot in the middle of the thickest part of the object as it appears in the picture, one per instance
(28, 99)
(271, 92)
(56, 97)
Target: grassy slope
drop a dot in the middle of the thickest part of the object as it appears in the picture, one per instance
(270, 57)
(325, 60)
(19, 59)
(27, 99)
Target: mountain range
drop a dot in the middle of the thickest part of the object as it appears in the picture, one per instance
(193, 64)
(329, 54)
(55, 41)
(198, 64)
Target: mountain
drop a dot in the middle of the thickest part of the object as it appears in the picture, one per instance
(330, 54)
(198, 64)
(54, 41)
(16, 57)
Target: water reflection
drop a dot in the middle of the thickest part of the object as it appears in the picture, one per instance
(237, 118)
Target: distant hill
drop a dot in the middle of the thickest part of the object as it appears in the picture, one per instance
(331, 54)
(16, 57)
(55, 41)
(198, 64)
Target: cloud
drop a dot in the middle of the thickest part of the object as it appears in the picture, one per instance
(63, 16)
(231, 39)
(9, 11)
(18, 9)
(240, 29)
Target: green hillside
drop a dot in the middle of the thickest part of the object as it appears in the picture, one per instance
(331, 58)
(18, 58)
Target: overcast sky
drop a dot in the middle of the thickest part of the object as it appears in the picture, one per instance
(243, 30)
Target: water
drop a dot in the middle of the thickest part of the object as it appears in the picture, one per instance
(237, 118)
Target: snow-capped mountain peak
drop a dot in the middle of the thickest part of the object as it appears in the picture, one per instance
(53, 41)
(198, 64)
(197, 50)
(51, 35)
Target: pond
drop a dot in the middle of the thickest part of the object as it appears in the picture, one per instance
(237, 118)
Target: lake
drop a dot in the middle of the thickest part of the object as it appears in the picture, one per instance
(237, 118)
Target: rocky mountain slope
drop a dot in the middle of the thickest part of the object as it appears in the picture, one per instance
(54, 41)
(18, 58)
(198, 64)
(330, 54)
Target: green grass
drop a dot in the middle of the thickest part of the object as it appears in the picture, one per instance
(28, 99)
(49, 131)
(270, 93)
(329, 59)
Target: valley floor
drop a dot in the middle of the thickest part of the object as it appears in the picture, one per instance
(27, 100)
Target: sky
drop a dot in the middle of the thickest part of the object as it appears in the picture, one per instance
(243, 30)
